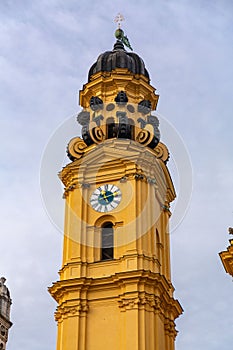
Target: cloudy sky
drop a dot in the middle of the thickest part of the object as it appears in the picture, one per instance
(47, 47)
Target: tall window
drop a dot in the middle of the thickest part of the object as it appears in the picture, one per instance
(111, 128)
(132, 128)
(158, 246)
(107, 241)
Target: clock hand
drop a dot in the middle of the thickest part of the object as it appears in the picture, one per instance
(103, 193)
(110, 195)
(105, 197)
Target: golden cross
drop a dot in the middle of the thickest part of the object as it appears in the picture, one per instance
(118, 19)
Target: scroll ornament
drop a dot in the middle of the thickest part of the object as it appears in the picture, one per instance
(76, 148)
(161, 152)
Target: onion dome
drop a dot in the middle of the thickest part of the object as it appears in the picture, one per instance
(118, 58)
(117, 101)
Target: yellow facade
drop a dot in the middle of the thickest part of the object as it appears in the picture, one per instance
(227, 256)
(118, 296)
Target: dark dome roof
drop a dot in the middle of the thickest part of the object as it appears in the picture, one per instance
(118, 58)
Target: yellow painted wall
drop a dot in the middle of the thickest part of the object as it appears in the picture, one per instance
(127, 302)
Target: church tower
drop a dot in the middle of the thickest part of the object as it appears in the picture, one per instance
(115, 287)
(5, 304)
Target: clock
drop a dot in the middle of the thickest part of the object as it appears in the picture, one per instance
(105, 198)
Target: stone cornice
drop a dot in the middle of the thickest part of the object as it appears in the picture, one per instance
(107, 84)
(73, 309)
(162, 289)
(114, 154)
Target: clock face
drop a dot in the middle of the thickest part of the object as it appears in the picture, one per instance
(105, 198)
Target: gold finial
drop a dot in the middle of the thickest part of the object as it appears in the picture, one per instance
(118, 19)
(119, 33)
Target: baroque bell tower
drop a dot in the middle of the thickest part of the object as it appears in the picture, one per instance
(115, 287)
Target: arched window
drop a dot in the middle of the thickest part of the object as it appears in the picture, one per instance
(107, 241)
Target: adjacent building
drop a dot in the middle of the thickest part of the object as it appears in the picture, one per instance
(227, 256)
(5, 305)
